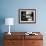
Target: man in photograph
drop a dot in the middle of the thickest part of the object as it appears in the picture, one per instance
(23, 16)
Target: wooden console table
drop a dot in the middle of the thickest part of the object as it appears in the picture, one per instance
(20, 39)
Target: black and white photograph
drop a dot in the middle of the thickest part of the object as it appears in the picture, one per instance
(27, 15)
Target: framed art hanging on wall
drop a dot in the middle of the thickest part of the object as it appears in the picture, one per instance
(27, 15)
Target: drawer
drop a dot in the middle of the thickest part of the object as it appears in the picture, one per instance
(34, 37)
(13, 43)
(33, 43)
(37, 43)
(16, 37)
(9, 43)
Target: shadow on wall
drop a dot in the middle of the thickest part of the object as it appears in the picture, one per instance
(2, 21)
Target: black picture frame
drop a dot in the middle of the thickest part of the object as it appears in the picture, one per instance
(27, 15)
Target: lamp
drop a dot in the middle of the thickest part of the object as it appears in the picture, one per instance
(9, 21)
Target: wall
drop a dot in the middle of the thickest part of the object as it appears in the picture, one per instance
(9, 8)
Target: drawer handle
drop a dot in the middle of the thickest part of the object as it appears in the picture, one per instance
(33, 42)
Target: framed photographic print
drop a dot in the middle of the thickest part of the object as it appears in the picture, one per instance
(27, 15)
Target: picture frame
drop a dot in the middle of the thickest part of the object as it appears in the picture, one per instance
(27, 15)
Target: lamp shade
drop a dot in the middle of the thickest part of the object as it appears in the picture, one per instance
(9, 21)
